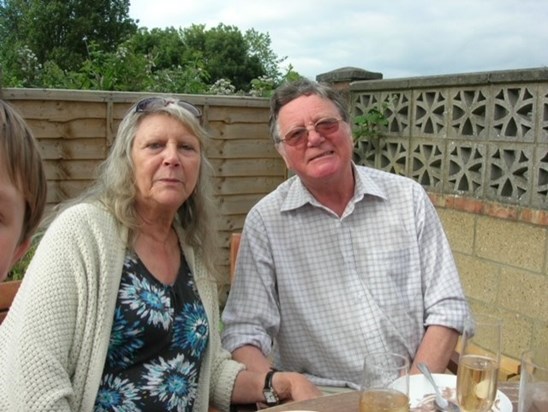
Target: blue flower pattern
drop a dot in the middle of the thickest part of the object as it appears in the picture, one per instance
(124, 340)
(164, 382)
(147, 300)
(191, 330)
(116, 394)
(158, 339)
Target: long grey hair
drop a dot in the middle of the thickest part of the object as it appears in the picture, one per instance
(115, 185)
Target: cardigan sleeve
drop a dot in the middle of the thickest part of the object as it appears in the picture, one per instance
(49, 342)
(221, 370)
(41, 326)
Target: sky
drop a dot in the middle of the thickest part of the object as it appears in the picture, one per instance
(398, 38)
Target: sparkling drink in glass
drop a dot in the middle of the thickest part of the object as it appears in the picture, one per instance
(385, 383)
(479, 363)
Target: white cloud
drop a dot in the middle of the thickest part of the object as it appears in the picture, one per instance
(398, 38)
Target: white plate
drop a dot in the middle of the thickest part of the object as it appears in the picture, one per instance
(421, 393)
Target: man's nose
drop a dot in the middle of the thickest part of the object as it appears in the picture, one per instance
(313, 137)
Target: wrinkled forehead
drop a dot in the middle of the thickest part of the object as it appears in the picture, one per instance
(306, 109)
(184, 118)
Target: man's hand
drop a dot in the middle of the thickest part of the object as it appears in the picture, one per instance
(292, 386)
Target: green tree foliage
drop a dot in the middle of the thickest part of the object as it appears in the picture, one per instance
(225, 53)
(164, 46)
(260, 47)
(171, 68)
(84, 44)
(60, 31)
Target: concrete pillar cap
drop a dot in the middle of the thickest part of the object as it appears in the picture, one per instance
(347, 74)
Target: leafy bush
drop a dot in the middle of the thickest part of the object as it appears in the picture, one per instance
(370, 124)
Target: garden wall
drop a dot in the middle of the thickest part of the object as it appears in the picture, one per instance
(477, 142)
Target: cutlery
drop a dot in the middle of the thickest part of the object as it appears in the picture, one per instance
(441, 403)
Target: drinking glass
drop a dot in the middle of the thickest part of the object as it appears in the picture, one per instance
(533, 384)
(385, 383)
(479, 363)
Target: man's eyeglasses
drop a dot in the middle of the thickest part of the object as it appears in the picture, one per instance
(299, 135)
(150, 103)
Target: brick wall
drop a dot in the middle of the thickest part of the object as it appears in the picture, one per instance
(501, 252)
(478, 143)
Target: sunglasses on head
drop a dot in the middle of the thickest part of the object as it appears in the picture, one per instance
(151, 103)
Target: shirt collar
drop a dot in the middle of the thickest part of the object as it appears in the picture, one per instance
(298, 195)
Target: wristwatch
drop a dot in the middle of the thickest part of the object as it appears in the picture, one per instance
(269, 393)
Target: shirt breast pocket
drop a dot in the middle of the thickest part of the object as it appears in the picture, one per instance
(393, 279)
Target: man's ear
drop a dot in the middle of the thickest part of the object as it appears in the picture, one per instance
(20, 251)
(281, 151)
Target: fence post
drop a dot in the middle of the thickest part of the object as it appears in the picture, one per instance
(340, 79)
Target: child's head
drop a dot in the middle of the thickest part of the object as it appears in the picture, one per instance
(23, 187)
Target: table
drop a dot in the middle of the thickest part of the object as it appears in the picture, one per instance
(348, 401)
(511, 389)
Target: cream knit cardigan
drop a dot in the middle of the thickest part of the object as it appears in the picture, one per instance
(54, 341)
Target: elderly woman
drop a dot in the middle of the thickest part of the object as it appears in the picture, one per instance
(118, 309)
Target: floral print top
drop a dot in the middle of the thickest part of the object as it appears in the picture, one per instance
(157, 343)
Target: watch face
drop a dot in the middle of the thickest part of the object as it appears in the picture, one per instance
(270, 396)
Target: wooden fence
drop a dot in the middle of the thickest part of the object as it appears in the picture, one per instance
(477, 142)
(76, 128)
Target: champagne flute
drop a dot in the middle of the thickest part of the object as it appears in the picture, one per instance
(385, 383)
(479, 363)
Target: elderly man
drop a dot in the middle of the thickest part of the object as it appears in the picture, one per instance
(340, 260)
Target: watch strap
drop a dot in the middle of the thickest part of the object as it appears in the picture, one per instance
(270, 394)
(268, 379)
